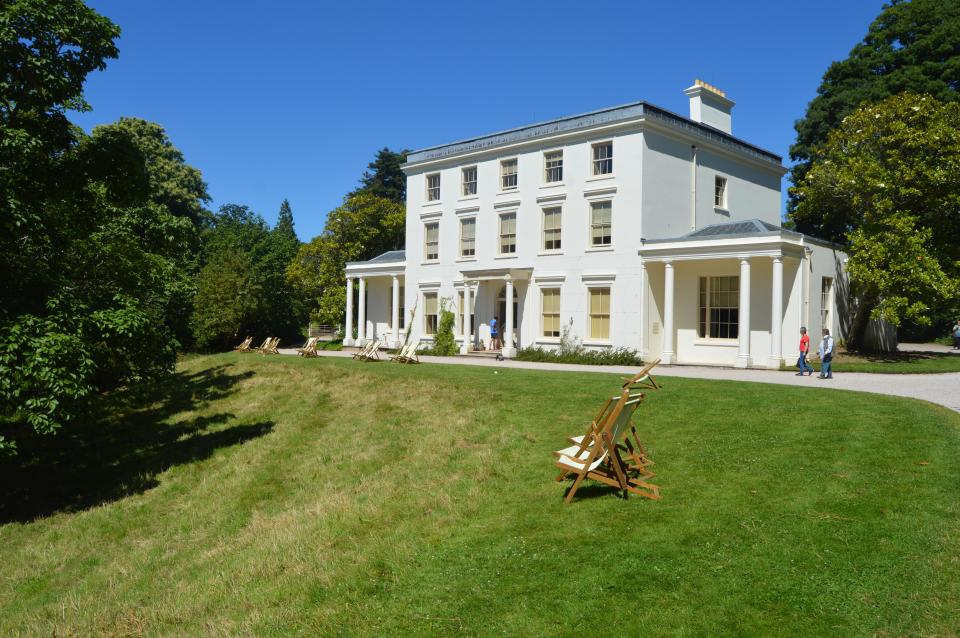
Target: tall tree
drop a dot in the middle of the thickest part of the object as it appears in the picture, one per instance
(363, 227)
(384, 177)
(887, 184)
(911, 46)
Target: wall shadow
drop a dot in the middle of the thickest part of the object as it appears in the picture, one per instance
(120, 448)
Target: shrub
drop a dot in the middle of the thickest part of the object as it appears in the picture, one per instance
(443, 342)
(611, 357)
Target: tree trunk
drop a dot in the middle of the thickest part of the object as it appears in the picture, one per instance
(857, 338)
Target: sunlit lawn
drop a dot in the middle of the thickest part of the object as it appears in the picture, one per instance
(282, 496)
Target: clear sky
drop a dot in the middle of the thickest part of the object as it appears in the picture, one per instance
(293, 99)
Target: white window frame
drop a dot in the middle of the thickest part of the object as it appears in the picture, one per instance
(589, 331)
(500, 235)
(543, 230)
(826, 303)
(596, 164)
(429, 190)
(547, 169)
(465, 184)
(463, 221)
(721, 187)
(590, 245)
(516, 174)
(559, 313)
(460, 315)
(426, 244)
(709, 288)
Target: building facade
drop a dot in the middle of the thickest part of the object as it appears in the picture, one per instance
(626, 227)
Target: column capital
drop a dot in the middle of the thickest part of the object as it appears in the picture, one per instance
(350, 278)
(744, 260)
(668, 263)
(777, 257)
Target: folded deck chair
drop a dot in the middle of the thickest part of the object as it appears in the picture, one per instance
(270, 346)
(309, 349)
(601, 461)
(643, 378)
(402, 354)
(245, 345)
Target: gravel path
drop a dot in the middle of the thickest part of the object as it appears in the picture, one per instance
(942, 389)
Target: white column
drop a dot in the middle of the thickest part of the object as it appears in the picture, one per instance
(776, 316)
(743, 354)
(362, 314)
(509, 351)
(467, 327)
(395, 324)
(668, 355)
(348, 327)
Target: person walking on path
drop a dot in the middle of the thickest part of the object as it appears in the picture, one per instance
(956, 335)
(494, 335)
(826, 355)
(804, 351)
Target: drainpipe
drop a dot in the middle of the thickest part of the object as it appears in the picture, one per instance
(693, 189)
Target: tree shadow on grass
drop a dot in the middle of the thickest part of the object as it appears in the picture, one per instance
(121, 448)
(894, 357)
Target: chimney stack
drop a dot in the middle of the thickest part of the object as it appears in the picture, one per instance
(709, 105)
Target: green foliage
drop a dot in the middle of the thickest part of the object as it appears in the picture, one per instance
(444, 344)
(606, 357)
(96, 232)
(888, 182)
(911, 46)
(242, 288)
(363, 227)
(384, 178)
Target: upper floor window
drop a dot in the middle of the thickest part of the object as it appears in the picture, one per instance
(551, 228)
(553, 166)
(720, 192)
(508, 174)
(430, 308)
(433, 187)
(603, 158)
(508, 233)
(599, 313)
(431, 241)
(468, 237)
(469, 181)
(719, 308)
(550, 311)
(601, 224)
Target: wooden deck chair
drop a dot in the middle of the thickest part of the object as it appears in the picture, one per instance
(359, 354)
(261, 347)
(643, 378)
(245, 345)
(601, 459)
(270, 347)
(631, 446)
(400, 356)
(373, 354)
(309, 349)
(412, 355)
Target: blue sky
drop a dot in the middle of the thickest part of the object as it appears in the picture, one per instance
(293, 99)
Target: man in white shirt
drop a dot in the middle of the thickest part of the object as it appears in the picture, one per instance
(826, 355)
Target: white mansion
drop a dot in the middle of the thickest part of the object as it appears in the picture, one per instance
(633, 226)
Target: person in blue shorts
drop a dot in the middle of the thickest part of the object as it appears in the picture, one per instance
(494, 335)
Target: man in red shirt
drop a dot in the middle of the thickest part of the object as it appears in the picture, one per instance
(804, 351)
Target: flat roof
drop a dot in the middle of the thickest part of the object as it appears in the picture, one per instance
(585, 120)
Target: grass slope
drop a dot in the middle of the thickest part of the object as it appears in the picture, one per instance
(281, 496)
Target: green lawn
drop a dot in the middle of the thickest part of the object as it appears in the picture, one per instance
(896, 362)
(283, 496)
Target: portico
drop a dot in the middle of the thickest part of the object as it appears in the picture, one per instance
(729, 294)
(487, 291)
(380, 300)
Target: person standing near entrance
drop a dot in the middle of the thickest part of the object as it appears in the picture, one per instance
(494, 335)
(804, 351)
(826, 355)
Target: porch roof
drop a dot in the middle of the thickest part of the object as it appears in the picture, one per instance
(746, 238)
(392, 262)
(496, 274)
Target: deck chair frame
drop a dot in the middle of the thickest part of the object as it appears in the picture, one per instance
(309, 349)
